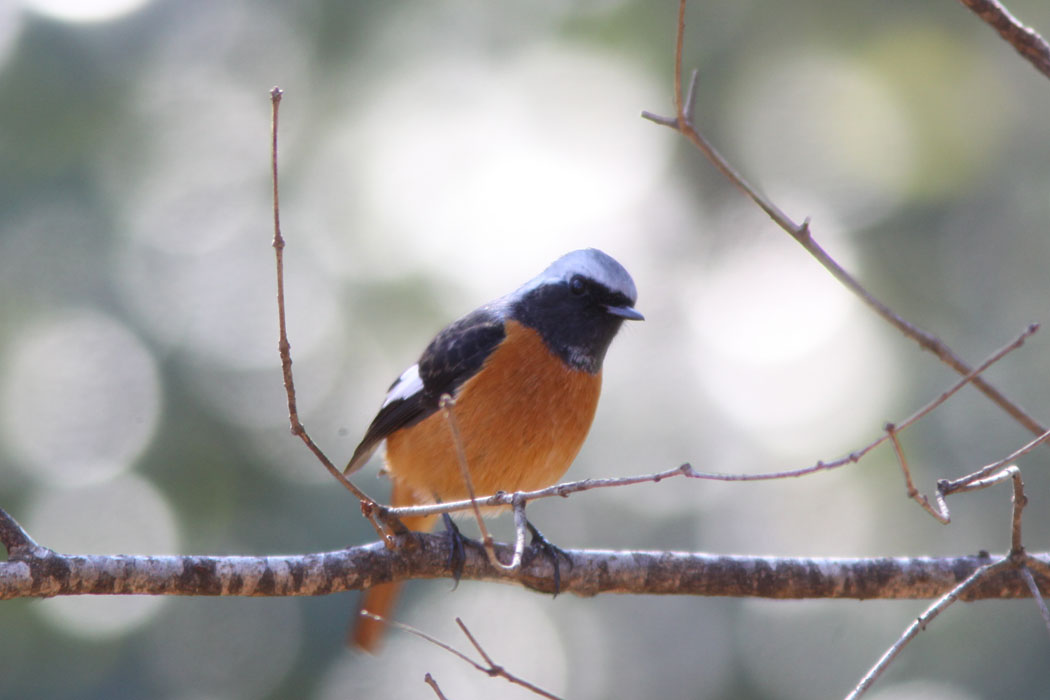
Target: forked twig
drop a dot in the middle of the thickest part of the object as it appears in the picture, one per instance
(949, 487)
(16, 540)
(856, 455)
(1017, 558)
(1019, 501)
(941, 512)
(920, 624)
(683, 123)
(493, 670)
(369, 506)
(567, 488)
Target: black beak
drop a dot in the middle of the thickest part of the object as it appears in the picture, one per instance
(627, 313)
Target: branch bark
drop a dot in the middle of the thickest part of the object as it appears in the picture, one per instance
(1025, 40)
(44, 573)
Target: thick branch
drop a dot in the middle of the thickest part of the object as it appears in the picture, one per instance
(592, 572)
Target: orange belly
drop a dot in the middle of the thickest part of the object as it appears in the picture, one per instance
(523, 419)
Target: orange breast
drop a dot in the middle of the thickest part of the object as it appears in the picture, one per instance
(523, 419)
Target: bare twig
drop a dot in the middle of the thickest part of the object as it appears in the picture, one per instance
(683, 123)
(941, 512)
(370, 508)
(521, 524)
(503, 498)
(447, 403)
(1029, 580)
(970, 376)
(565, 489)
(473, 641)
(493, 670)
(856, 455)
(1019, 502)
(1024, 39)
(422, 635)
(949, 487)
(920, 624)
(1017, 558)
(429, 680)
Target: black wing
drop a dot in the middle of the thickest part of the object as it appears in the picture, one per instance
(452, 357)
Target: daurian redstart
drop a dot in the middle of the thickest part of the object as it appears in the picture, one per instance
(525, 373)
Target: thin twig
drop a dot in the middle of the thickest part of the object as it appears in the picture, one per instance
(1029, 580)
(565, 489)
(502, 498)
(493, 670)
(521, 524)
(477, 647)
(1024, 39)
(429, 680)
(683, 123)
(1016, 557)
(370, 507)
(961, 484)
(941, 512)
(1020, 500)
(422, 635)
(447, 403)
(920, 624)
(856, 455)
(999, 354)
(678, 108)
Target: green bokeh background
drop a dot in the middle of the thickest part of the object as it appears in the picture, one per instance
(434, 156)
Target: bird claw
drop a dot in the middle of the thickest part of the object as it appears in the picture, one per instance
(457, 555)
(550, 551)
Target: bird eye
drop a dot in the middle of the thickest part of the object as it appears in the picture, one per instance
(576, 285)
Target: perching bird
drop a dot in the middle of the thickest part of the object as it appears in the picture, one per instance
(525, 373)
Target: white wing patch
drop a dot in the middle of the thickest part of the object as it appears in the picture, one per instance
(408, 384)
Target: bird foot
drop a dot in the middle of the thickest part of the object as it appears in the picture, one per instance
(541, 545)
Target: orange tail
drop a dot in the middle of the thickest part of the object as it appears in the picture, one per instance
(367, 634)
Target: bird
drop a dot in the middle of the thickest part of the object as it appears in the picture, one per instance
(524, 372)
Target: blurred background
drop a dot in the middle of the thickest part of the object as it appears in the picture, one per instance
(434, 156)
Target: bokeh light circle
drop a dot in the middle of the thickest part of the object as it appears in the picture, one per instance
(514, 153)
(827, 125)
(84, 10)
(79, 397)
(783, 348)
(126, 515)
(246, 655)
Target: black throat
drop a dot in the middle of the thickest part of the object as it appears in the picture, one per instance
(575, 326)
